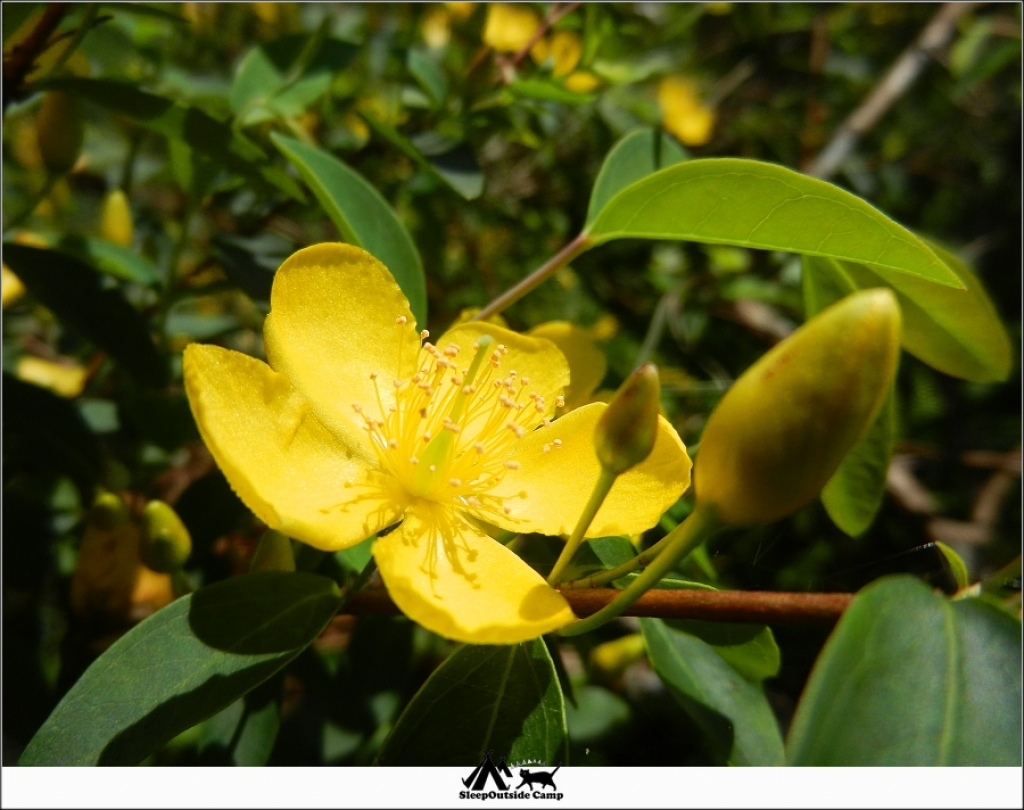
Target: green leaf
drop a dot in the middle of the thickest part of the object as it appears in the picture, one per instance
(244, 733)
(457, 168)
(635, 156)
(542, 90)
(956, 564)
(957, 332)
(910, 678)
(855, 492)
(750, 649)
(180, 122)
(597, 714)
(429, 75)
(282, 78)
(71, 289)
(41, 429)
(732, 711)
(760, 205)
(504, 699)
(183, 664)
(362, 215)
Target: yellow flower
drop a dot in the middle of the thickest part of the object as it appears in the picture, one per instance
(354, 426)
(683, 114)
(581, 81)
(116, 219)
(509, 27)
(564, 48)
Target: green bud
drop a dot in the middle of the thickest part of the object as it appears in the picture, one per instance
(60, 130)
(108, 511)
(166, 542)
(781, 431)
(625, 433)
(274, 553)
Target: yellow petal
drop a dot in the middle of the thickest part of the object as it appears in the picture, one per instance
(683, 113)
(535, 359)
(65, 380)
(509, 27)
(566, 50)
(461, 584)
(336, 315)
(587, 364)
(283, 463)
(549, 489)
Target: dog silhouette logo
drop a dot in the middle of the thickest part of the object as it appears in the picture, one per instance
(542, 778)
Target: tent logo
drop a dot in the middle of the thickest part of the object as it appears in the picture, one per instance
(537, 782)
(488, 770)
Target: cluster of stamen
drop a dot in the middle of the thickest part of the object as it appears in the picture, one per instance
(446, 432)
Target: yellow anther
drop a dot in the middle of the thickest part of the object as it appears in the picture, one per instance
(559, 402)
(392, 443)
(547, 448)
(413, 460)
(432, 468)
(426, 436)
(455, 482)
(557, 442)
(373, 375)
(401, 319)
(398, 383)
(469, 390)
(479, 448)
(357, 407)
(451, 350)
(511, 465)
(424, 334)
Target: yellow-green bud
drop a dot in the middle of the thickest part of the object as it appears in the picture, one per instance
(116, 219)
(108, 511)
(625, 433)
(612, 658)
(781, 431)
(60, 130)
(166, 542)
(274, 553)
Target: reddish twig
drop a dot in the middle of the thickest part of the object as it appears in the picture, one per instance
(18, 62)
(754, 607)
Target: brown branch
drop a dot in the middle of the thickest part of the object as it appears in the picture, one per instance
(935, 35)
(18, 63)
(558, 11)
(754, 607)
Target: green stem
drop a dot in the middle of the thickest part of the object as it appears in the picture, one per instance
(697, 528)
(357, 584)
(577, 246)
(641, 560)
(601, 490)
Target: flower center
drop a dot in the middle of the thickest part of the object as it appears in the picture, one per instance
(452, 427)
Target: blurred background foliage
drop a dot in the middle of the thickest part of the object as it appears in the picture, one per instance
(487, 150)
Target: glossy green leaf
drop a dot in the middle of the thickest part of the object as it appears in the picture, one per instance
(43, 430)
(957, 332)
(71, 289)
(732, 711)
(504, 699)
(760, 205)
(911, 678)
(282, 78)
(597, 714)
(429, 75)
(182, 665)
(180, 122)
(635, 156)
(362, 215)
(457, 167)
(244, 733)
(750, 649)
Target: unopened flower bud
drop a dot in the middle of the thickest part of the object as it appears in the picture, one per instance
(612, 658)
(60, 130)
(108, 511)
(781, 431)
(166, 542)
(274, 553)
(625, 433)
(116, 219)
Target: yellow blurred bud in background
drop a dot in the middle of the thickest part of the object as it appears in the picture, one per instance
(166, 543)
(562, 47)
(60, 130)
(509, 27)
(781, 431)
(683, 113)
(11, 287)
(581, 81)
(116, 219)
(435, 28)
(64, 379)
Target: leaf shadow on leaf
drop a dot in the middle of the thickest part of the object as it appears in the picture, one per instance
(137, 739)
(715, 727)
